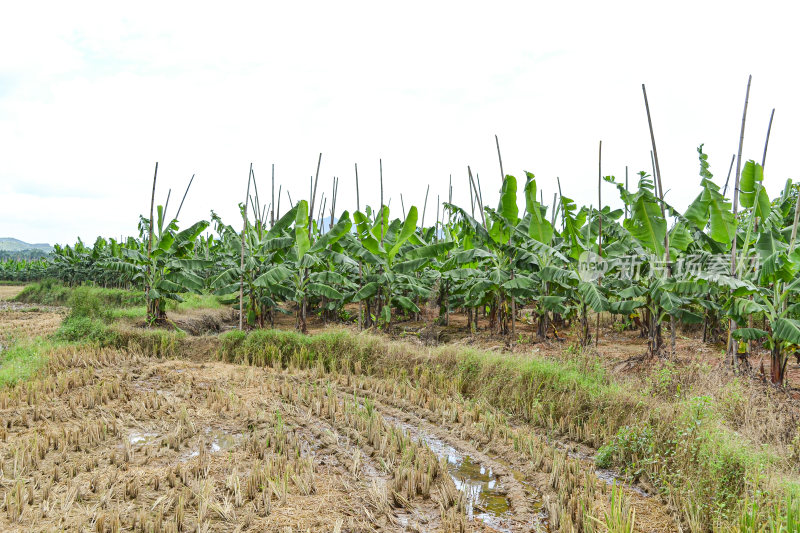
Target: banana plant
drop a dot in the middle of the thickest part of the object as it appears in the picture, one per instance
(293, 276)
(648, 228)
(389, 280)
(168, 269)
(768, 291)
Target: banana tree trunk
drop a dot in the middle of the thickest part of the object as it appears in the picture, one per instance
(778, 365)
(655, 340)
(584, 326)
(513, 311)
(672, 333)
(544, 325)
(304, 305)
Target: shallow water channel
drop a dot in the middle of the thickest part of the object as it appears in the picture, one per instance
(487, 500)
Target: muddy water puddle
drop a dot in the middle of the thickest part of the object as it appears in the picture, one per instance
(487, 501)
(221, 441)
(215, 441)
(141, 437)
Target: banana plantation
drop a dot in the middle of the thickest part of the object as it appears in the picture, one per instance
(728, 268)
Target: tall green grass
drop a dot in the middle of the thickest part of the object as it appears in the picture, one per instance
(22, 359)
(51, 292)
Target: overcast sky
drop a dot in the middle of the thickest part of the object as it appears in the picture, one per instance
(92, 96)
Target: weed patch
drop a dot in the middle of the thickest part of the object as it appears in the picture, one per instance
(21, 360)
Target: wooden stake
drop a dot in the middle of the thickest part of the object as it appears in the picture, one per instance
(314, 195)
(380, 163)
(272, 215)
(425, 206)
(166, 206)
(657, 169)
(600, 200)
(766, 143)
(730, 169)
(478, 198)
(599, 225)
(502, 174)
(731, 323)
(358, 198)
(241, 263)
(150, 243)
(471, 197)
(323, 202)
(184, 197)
(333, 203)
(436, 227)
(256, 208)
(738, 173)
(661, 196)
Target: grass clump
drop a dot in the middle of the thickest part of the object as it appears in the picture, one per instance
(88, 319)
(52, 292)
(85, 329)
(21, 360)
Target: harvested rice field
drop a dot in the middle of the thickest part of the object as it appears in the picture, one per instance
(105, 439)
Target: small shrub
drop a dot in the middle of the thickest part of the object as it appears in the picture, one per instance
(21, 360)
(604, 457)
(85, 329)
(86, 303)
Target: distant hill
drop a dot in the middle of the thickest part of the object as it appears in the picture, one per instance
(8, 244)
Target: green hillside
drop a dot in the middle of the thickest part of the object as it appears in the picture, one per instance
(8, 244)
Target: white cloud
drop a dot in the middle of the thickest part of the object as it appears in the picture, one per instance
(91, 98)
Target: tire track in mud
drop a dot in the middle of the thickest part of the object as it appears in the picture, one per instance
(498, 497)
(433, 512)
(353, 458)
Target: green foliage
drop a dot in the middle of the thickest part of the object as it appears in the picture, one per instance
(21, 360)
(85, 329)
(86, 303)
(53, 292)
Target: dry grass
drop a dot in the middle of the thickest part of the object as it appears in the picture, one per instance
(7, 292)
(21, 323)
